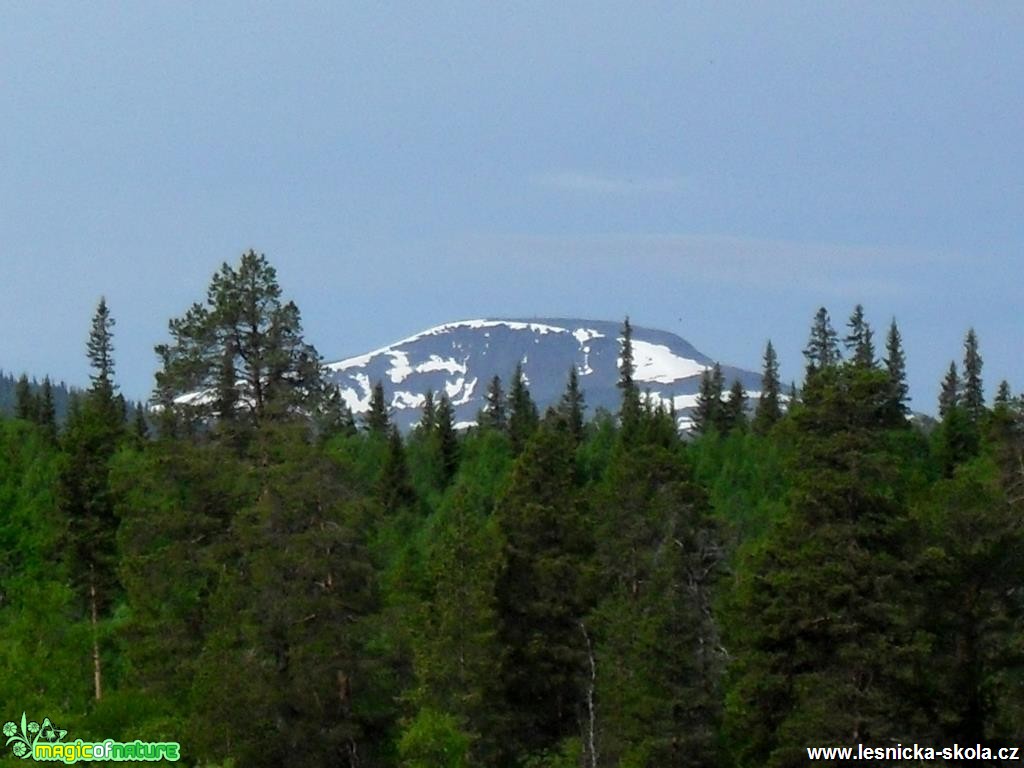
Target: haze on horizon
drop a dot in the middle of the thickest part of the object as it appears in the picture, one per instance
(717, 170)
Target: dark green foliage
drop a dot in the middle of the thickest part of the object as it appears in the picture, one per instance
(428, 421)
(542, 595)
(733, 412)
(859, 342)
(448, 442)
(973, 393)
(769, 408)
(655, 649)
(377, 420)
(949, 394)
(708, 412)
(522, 411)
(822, 350)
(493, 415)
(572, 406)
(629, 413)
(821, 645)
(240, 355)
(283, 675)
(394, 488)
(896, 367)
(25, 405)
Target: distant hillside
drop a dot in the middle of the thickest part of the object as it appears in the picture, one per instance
(461, 358)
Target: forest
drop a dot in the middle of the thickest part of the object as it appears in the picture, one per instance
(250, 570)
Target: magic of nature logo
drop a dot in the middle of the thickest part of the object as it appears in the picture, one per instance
(45, 742)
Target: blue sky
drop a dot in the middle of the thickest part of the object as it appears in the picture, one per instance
(717, 170)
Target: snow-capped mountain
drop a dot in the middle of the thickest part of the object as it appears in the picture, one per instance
(461, 359)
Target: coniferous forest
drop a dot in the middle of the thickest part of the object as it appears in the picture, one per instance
(249, 569)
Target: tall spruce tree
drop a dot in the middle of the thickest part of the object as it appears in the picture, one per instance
(93, 433)
(822, 349)
(973, 392)
(572, 405)
(896, 367)
(47, 413)
(26, 406)
(769, 409)
(707, 414)
(377, 419)
(448, 441)
(493, 415)
(629, 413)
(949, 394)
(859, 341)
(522, 411)
(428, 419)
(734, 409)
(541, 594)
(820, 648)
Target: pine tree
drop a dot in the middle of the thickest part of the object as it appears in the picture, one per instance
(522, 412)
(244, 346)
(949, 396)
(447, 439)
(707, 413)
(769, 409)
(823, 346)
(493, 415)
(859, 341)
(896, 367)
(140, 427)
(629, 414)
(571, 406)
(377, 420)
(973, 393)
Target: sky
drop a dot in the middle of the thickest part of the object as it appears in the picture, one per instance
(718, 170)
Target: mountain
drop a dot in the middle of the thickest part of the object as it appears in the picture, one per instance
(461, 359)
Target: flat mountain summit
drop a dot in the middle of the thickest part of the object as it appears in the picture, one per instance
(461, 358)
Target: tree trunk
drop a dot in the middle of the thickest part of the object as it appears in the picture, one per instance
(97, 672)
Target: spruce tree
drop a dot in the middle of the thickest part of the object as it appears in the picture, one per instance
(377, 420)
(428, 419)
(448, 441)
(93, 433)
(949, 395)
(26, 407)
(1004, 396)
(707, 413)
(541, 594)
(571, 406)
(973, 393)
(820, 650)
(629, 414)
(394, 488)
(493, 415)
(47, 413)
(896, 367)
(859, 341)
(769, 409)
(733, 412)
(522, 412)
(822, 349)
